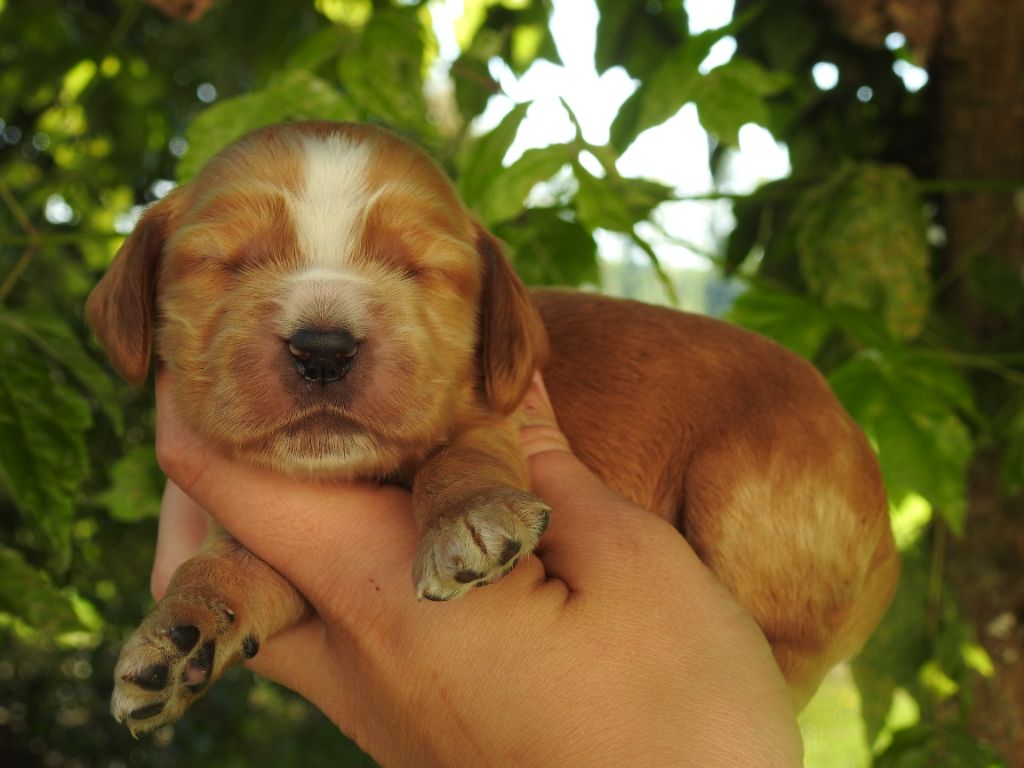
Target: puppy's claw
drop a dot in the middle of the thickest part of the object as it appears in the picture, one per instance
(432, 598)
(250, 646)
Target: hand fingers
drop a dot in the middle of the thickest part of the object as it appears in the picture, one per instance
(538, 426)
(555, 472)
(182, 529)
(594, 532)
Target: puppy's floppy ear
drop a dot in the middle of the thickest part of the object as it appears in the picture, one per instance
(513, 342)
(121, 307)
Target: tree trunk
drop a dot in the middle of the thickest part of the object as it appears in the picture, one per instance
(978, 72)
(985, 568)
(975, 53)
(979, 133)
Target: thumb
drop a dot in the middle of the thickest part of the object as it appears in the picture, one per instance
(555, 471)
(591, 524)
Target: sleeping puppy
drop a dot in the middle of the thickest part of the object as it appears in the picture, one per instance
(331, 309)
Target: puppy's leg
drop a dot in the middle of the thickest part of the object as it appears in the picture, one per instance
(475, 516)
(219, 607)
(792, 517)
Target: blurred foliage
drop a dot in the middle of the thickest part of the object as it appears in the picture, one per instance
(105, 104)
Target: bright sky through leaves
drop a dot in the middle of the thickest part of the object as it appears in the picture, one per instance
(674, 153)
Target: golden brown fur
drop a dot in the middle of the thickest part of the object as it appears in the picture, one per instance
(736, 441)
(741, 445)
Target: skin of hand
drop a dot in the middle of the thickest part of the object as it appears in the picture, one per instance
(611, 644)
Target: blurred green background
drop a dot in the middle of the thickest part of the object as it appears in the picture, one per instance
(845, 176)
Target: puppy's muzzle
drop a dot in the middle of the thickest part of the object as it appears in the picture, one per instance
(322, 356)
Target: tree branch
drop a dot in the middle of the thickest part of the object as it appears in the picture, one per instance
(33, 241)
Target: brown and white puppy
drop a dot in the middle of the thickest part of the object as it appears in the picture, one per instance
(332, 309)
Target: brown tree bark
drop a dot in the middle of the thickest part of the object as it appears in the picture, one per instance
(978, 67)
(985, 568)
(979, 131)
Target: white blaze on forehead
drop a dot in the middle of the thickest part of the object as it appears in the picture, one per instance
(328, 209)
(319, 273)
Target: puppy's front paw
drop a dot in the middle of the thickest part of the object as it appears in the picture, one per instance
(480, 545)
(173, 657)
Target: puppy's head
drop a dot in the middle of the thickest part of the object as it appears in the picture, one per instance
(327, 303)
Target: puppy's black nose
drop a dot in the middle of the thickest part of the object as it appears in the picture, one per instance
(322, 356)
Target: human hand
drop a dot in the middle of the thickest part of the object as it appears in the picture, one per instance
(611, 644)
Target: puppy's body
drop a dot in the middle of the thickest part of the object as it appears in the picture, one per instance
(744, 448)
(332, 309)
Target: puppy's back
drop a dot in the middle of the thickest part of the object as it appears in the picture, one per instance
(639, 388)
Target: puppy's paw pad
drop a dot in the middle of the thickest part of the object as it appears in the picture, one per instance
(184, 637)
(152, 678)
(479, 546)
(171, 660)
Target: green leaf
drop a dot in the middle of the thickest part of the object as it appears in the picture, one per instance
(796, 322)
(788, 33)
(637, 34)
(927, 746)
(504, 198)
(862, 243)
(58, 342)
(319, 47)
(996, 284)
(43, 457)
(749, 213)
(908, 404)
(1012, 465)
(29, 595)
(659, 97)
(292, 95)
(898, 648)
(383, 72)
(923, 647)
(479, 162)
(218, 126)
(528, 42)
(734, 94)
(516, 31)
(136, 486)
(615, 203)
(551, 249)
(763, 219)
(868, 329)
(473, 84)
(298, 95)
